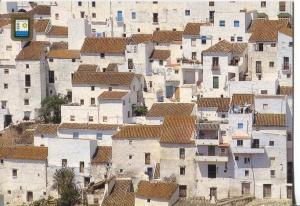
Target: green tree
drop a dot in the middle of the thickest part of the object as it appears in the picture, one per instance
(140, 110)
(64, 182)
(50, 109)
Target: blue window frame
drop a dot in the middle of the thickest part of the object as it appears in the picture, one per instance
(222, 23)
(236, 23)
(133, 15)
(75, 135)
(120, 16)
(240, 125)
(99, 136)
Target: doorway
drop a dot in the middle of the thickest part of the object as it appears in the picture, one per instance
(213, 193)
(245, 188)
(267, 190)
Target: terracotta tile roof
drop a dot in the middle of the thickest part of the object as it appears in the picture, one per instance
(193, 28)
(58, 31)
(46, 129)
(41, 10)
(112, 67)
(156, 190)
(140, 38)
(160, 54)
(227, 47)
(27, 138)
(285, 90)
(33, 50)
(221, 103)
(121, 194)
(270, 120)
(242, 99)
(112, 95)
(138, 131)
(165, 109)
(4, 22)
(103, 78)
(167, 36)
(59, 45)
(41, 25)
(208, 126)
(104, 45)
(24, 152)
(157, 171)
(102, 155)
(178, 129)
(87, 126)
(266, 30)
(64, 54)
(87, 68)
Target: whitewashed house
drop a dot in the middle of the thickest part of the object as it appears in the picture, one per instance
(23, 172)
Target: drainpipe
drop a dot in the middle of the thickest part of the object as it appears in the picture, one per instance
(253, 176)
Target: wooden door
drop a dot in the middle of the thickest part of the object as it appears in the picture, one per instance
(267, 190)
(245, 188)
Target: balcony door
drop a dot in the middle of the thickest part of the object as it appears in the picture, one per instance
(215, 61)
(211, 151)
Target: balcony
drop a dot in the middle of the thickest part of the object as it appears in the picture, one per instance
(247, 150)
(217, 157)
(215, 67)
(286, 68)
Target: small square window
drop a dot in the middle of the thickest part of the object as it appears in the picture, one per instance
(176, 71)
(94, 15)
(50, 60)
(133, 15)
(93, 4)
(272, 173)
(72, 118)
(236, 158)
(6, 71)
(9, 192)
(99, 136)
(14, 172)
(130, 157)
(27, 66)
(155, 2)
(82, 102)
(203, 39)
(130, 142)
(75, 135)
(5, 86)
(288, 76)
(239, 142)
(291, 44)
(289, 137)
(161, 62)
(26, 101)
(246, 173)
(264, 92)
(232, 38)
(92, 88)
(91, 118)
(182, 170)
(56, 16)
(211, 3)
(1, 161)
(187, 12)
(239, 38)
(263, 4)
(148, 200)
(102, 55)
(273, 44)
(271, 64)
(104, 118)
(271, 143)
(236, 23)
(79, 3)
(246, 160)
(121, 170)
(240, 125)
(222, 23)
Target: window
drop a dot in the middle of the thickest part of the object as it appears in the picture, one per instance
(211, 3)
(121, 170)
(263, 4)
(82, 14)
(102, 55)
(272, 173)
(212, 171)
(273, 44)
(56, 16)
(203, 40)
(6, 71)
(82, 102)
(240, 125)
(291, 44)
(27, 66)
(92, 88)
(289, 137)
(51, 76)
(50, 60)
(14, 172)
(187, 12)
(72, 118)
(239, 142)
(133, 15)
(147, 158)
(236, 158)
(182, 170)
(29, 196)
(288, 76)
(26, 101)
(120, 16)
(176, 71)
(91, 118)
(9, 192)
(130, 157)
(239, 38)
(246, 160)
(246, 173)
(5, 86)
(130, 142)
(271, 64)
(104, 118)
(64, 162)
(182, 153)
(79, 3)
(265, 106)
(93, 101)
(27, 80)
(193, 41)
(8, 48)
(75, 135)
(222, 23)
(194, 55)
(264, 92)
(93, 4)
(128, 114)
(271, 143)
(155, 17)
(93, 15)
(81, 167)
(260, 47)
(1, 161)
(148, 200)
(215, 82)
(155, 2)
(232, 38)
(282, 6)
(161, 62)
(99, 136)
(236, 23)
